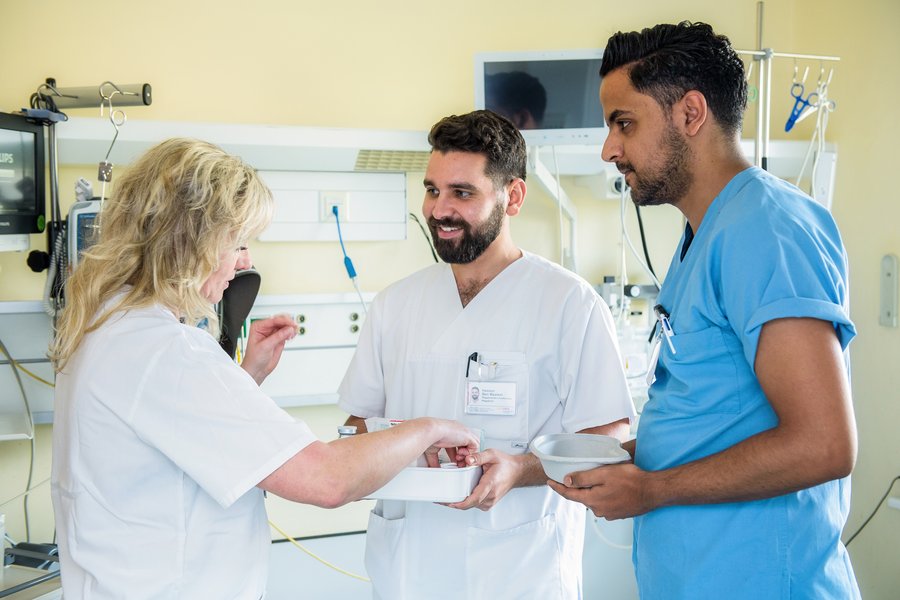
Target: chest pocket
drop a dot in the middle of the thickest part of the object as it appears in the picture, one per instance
(495, 399)
(704, 375)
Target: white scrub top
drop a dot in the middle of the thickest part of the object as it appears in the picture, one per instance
(538, 330)
(159, 440)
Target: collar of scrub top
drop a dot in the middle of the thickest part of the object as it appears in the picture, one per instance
(688, 238)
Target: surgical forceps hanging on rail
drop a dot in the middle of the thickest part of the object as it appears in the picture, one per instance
(823, 102)
(800, 103)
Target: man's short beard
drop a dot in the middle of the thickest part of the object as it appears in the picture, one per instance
(670, 182)
(472, 243)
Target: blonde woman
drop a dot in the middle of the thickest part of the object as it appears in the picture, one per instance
(162, 445)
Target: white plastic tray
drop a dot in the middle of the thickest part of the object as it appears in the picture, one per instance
(425, 484)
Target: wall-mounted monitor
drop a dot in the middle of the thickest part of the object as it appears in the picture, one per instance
(21, 175)
(551, 96)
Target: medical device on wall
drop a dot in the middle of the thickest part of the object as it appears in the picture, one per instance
(45, 105)
(21, 180)
(632, 308)
(551, 96)
(82, 228)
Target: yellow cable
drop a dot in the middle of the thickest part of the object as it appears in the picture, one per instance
(33, 376)
(19, 366)
(25, 493)
(318, 558)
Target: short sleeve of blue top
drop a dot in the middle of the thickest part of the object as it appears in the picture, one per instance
(763, 251)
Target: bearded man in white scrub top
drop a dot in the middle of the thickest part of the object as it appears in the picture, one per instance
(532, 336)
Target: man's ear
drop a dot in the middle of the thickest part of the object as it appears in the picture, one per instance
(516, 191)
(691, 112)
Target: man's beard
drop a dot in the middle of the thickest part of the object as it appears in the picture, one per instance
(667, 184)
(473, 242)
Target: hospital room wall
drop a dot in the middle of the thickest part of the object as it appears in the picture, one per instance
(867, 127)
(401, 64)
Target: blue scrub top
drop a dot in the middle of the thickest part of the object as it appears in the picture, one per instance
(763, 251)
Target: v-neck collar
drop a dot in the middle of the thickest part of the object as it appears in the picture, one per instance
(490, 284)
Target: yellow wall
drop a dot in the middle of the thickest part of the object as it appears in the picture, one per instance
(867, 125)
(403, 64)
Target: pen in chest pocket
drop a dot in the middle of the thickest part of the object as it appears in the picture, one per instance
(472, 357)
(666, 328)
(483, 369)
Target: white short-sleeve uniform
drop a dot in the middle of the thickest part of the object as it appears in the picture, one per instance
(536, 326)
(159, 440)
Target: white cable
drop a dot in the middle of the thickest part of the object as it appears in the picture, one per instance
(27, 404)
(361, 300)
(25, 493)
(623, 276)
(562, 243)
(821, 126)
(627, 238)
(809, 149)
(605, 539)
(817, 140)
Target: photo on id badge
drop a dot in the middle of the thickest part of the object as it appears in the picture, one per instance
(485, 395)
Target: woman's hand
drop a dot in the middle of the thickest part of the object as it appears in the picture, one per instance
(452, 435)
(265, 344)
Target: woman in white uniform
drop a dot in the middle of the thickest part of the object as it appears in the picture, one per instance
(162, 445)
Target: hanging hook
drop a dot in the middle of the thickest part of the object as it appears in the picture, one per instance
(44, 97)
(107, 96)
(796, 71)
(823, 101)
(830, 75)
(116, 116)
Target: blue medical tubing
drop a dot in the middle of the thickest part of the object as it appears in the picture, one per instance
(348, 264)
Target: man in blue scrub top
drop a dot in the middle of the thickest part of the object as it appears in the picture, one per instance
(740, 483)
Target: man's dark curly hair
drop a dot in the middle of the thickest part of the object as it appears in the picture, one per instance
(483, 132)
(666, 61)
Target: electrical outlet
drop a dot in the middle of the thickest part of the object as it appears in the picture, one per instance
(614, 185)
(887, 315)
(328, 200)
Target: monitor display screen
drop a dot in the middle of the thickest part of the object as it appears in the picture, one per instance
(21, 175)
(552, 96)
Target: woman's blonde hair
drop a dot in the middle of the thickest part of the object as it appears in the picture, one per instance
(176, 210)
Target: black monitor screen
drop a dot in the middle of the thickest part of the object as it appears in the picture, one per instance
(21, 175)
(545, 94)
(550, 95)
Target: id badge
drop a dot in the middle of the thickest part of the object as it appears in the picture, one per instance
(490, 398)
